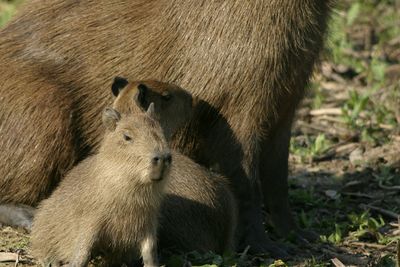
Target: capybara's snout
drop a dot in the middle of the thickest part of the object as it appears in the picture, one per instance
(161, 162)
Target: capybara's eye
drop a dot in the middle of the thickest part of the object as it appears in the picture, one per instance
(166, 96)
(127, 138)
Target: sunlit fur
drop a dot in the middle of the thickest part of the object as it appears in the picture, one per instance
(199, 212)
(172, 113)
(108, 203)
(250, 60)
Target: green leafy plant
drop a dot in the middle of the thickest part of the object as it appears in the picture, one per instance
(363, 226)
(278, 263)
(310, 147)
(335, 237)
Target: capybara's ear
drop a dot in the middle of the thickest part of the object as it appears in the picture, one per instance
(110, 118)
(150, 111)
(141, 96)
(118, 84)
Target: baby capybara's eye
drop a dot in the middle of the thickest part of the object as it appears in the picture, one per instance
(127, 138)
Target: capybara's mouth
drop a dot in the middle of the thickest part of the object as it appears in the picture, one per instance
(160, 176)
(157, 179)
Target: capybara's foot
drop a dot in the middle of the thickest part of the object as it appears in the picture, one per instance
(303, 236)
(261, 244)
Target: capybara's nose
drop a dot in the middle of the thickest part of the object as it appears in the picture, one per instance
(160, 162)
(156, 160)
(161, 158)
(168, 158)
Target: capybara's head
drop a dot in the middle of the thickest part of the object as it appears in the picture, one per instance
(136, 144)
(173, 105)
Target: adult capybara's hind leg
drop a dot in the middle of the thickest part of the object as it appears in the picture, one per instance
(274, 155)
(273, 168)
(36, 137)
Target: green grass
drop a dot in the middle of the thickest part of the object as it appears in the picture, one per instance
(373, 99)
(7, 10)
(384, 22)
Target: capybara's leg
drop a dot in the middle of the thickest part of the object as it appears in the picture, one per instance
(274, 180)
(244, 179)
(17, 215)
(37, 142)
(83, 246)
(254, 233)
(148, 249)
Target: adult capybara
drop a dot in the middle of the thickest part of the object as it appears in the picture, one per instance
(250, 60)
(109, 202)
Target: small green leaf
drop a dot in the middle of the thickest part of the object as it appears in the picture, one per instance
(353, 13)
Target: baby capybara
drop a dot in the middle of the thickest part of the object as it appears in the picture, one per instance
(199, 212)
(173, 105)
(109, 203)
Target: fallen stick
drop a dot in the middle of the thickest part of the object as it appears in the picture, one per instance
(348, 259)
(337, 262)
(363, 244)
(244, 253)
(388, 213)
(357, 195)
(8, 257)
(330, 119)
(326, 111)
(338, 150)
(386, 187)
(322, 129)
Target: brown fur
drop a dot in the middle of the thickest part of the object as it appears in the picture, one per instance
(250, 60)
(173, 105)
(199, 212)
(110, 201)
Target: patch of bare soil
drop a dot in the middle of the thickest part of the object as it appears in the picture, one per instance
(14, 247)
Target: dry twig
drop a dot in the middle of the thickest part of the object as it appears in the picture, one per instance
(364, 245)
(388, 213)
(337, 262)
(326, 111)
(357, 195)
(8, 257)
(392, 187)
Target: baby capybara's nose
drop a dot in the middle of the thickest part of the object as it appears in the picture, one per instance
(161, 158)
(160, 162)
(168, 158)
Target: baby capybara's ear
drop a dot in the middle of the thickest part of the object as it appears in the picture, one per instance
(118, 84)
(110, 118)
(151, 112)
